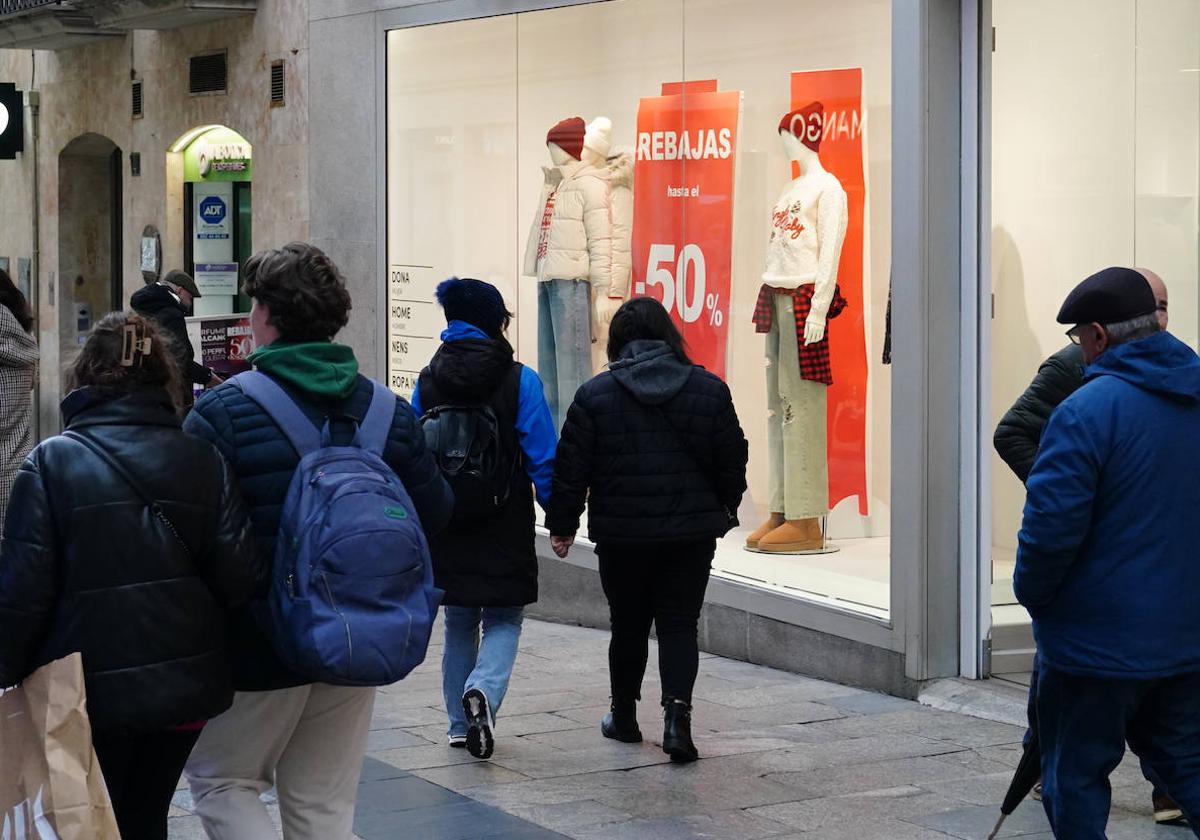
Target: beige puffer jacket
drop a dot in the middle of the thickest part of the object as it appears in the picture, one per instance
(590, 228)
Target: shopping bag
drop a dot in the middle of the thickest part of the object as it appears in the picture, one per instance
(51, 787)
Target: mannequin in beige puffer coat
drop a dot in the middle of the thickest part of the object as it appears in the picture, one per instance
(590, 228)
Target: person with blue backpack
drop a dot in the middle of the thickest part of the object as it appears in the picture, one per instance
(343, 495)
(488, 424)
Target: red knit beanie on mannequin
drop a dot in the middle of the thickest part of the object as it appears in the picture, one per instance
(802, 125)
(568, 135)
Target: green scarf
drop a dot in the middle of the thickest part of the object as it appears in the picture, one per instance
(320, 369)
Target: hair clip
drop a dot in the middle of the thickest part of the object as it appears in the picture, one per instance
(134, 345)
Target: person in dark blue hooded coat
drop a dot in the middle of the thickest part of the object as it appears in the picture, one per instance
(1107, 564)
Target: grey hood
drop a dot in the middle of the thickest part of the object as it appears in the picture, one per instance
(650, 371)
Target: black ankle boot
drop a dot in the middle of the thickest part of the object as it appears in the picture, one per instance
(677, 731)
(621, 724)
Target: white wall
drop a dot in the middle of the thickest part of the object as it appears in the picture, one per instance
(1096, 150)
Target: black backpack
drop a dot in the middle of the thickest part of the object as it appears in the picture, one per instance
(475, 449)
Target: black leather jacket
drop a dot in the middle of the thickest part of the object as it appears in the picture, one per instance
(1020, 431)
(85, 566)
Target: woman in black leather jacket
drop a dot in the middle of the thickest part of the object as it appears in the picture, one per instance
(127, 540)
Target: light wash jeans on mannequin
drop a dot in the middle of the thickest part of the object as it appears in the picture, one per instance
(796, 424)
(467, 664)
(564, 341)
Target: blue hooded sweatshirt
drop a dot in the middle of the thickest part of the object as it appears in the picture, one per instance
(1109, 557)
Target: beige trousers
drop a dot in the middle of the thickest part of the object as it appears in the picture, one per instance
(796, 424)
(308, 742)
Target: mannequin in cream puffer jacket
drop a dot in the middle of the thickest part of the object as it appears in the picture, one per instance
(590, 228)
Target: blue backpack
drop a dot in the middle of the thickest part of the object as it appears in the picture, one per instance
(352, 600)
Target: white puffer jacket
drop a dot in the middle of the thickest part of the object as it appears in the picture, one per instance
(590, 228)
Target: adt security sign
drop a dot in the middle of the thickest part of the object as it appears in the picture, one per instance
(212, 214)
(12, 122)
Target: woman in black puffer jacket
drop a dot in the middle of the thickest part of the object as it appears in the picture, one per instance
(654, 447)
(126, 541)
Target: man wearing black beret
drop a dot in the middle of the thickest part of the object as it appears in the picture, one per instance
(1107, 561)
(1018, 436)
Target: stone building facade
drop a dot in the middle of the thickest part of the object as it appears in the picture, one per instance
(104, 174)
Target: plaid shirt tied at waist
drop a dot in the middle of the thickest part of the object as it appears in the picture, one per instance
(814, 358)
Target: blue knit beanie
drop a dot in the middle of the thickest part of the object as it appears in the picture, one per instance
(474, 301)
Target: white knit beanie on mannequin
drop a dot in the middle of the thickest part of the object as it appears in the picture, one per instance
(598, 137)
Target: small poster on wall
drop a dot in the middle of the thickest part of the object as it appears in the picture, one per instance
(414, 325)
(223, 344)
(217, 278)
(683, 210)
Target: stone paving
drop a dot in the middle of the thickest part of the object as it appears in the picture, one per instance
(783, 756)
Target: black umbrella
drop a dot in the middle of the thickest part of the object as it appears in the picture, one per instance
(1028, 771)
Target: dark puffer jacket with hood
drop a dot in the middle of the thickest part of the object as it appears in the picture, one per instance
(323, 379)
(84, 565)
(654, 447)
(1107, 564)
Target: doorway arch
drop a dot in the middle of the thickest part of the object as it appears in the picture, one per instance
(90, 215)
(214, 165)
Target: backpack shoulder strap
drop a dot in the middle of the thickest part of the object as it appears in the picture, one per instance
(510, 392)
(271, 397)
(376, 426)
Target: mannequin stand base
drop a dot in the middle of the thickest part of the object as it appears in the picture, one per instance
(829, 549)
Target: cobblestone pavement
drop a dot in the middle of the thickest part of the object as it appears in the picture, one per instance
(783, 757)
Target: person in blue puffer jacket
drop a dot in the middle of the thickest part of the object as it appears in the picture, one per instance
(305, 739)
(1107, 564)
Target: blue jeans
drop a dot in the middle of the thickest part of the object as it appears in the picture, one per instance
(564, 341)
(1083, 723)
(467, 664)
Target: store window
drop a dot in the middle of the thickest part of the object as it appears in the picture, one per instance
(676, 107)
(1096, 162)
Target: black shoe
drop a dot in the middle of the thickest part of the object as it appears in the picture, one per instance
(621, 724)
(480, 742)
(677, 732)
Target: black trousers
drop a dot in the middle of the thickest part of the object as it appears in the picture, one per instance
(142, 772)
(661, 584)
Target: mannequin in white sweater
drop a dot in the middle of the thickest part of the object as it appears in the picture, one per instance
(808, 226)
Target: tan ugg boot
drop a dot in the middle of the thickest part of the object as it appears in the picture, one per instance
(794, 535)
(775, 520)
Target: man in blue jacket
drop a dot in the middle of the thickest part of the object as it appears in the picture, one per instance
(1107, 562)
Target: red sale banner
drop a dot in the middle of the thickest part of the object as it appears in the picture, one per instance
(683, 210)
(842, 127)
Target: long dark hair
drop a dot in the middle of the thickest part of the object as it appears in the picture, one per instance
(11, 297)
(644, 318)
(99, 361)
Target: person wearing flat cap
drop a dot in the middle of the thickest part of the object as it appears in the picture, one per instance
(169, 302)
(1107, 562)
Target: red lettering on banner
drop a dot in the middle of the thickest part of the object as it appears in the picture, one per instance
(683, 210)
